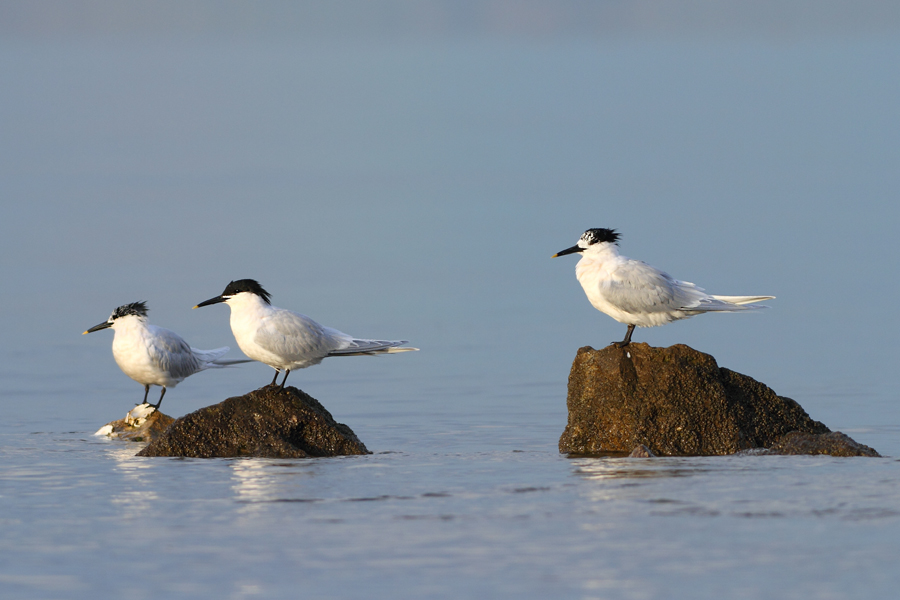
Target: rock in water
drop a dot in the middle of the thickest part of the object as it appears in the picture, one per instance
(834, 444)
(676, 401)
(641, 451)
(268, 422)
(143, 423)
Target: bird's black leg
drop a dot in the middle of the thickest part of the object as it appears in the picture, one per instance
(276, 377)
(160, 398)
(146, 391)
(627, 339)
(286, 373)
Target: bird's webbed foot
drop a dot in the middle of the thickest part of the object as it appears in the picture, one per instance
(627, 339)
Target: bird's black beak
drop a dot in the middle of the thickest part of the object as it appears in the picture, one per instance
(103, 325)
(571, 250)
(215, 300)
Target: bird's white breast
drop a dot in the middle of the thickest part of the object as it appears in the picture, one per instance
(130, 349)
(246, 319)
(591, 273)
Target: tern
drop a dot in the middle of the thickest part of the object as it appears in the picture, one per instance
(286, 340)
(152, 355)
(637, 294)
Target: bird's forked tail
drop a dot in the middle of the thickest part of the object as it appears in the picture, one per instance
(370, 347)
(211, 358)
(741, 300)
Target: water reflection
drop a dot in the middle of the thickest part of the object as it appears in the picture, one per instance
(256, 482)
(614, 468)
(136, 497)
(251, 481)
(610, 479)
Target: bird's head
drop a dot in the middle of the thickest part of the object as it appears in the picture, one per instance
(135, 309)
(592, 239)
(239, 289)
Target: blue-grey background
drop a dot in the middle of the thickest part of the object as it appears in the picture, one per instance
(406, 170)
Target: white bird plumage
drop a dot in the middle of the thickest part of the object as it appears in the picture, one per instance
(637, 294)
(153, 355)
(286, 340)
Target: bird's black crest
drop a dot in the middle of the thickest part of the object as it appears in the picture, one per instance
(138, 309)
(596, 236)
(247, 285)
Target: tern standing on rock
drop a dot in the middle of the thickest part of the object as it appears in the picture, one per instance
(632, 292)
(286, 340)
(152, 355)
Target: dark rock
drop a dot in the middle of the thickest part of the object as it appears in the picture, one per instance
(641, 451)
(676, 401)
(142, 424)
(834, 443)
(268, 422)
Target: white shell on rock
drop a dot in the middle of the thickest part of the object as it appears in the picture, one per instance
(105, 430)
(137, 415)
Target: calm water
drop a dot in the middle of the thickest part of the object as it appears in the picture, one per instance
(409, 176)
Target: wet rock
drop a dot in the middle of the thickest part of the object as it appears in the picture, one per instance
(268, 422)
(641, 451)
(834, 443)
(676, 401)
(143, 423)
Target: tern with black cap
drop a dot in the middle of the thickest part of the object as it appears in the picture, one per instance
(632, 292)
(286, 340)
(152, 355)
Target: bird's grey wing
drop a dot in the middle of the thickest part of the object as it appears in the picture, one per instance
(172, 354)
(291, 334)
(637, 287)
